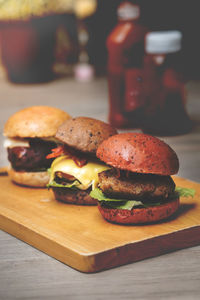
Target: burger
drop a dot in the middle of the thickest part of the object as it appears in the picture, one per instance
(137, 188)
(29, 139)
(74, 172)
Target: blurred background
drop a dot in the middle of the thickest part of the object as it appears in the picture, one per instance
(65, 27)
(64, 42)
(156, 15)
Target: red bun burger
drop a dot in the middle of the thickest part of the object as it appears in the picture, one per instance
(138, 187)
(74, 172)
(29, 139)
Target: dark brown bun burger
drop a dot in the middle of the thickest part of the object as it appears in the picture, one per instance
(29, 139)
(138, 188)
(74, 173)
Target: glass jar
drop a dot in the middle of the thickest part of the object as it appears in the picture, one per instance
(164, 88)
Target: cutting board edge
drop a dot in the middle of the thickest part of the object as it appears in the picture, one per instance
(78, 261)
(137, 251)
(114, 257)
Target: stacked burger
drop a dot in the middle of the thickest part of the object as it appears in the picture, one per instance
(29, 139)
(138, 187)
(74, 172)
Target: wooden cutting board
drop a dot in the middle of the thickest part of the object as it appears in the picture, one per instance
(79, 237)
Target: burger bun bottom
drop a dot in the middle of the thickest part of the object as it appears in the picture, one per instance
(31, 179)
(140, 215)
(70, 196)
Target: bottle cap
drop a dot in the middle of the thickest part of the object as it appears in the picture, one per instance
(159, 42)
(127, 11)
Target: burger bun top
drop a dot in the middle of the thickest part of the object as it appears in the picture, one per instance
(35, 121)
(84, 134)
(138, 152)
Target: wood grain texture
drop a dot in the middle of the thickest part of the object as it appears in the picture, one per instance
(82, 239)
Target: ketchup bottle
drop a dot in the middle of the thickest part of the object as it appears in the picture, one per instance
(164, 88)
(125, 46)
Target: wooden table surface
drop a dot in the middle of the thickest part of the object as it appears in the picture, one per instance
(26, 273)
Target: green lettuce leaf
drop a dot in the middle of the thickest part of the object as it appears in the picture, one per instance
(71, 185)
(185, 192)
(99, 195)
(130, 204)
(119, 203)
(122, 204)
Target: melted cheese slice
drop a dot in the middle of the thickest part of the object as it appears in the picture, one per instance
(86, 175)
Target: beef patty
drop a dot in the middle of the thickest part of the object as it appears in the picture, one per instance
(80, 197)
(135, 185)
(31, 158)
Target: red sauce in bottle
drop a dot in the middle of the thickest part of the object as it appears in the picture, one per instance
(125, 46)
(164, 88)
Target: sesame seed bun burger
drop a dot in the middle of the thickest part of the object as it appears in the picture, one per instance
(74, 172)
(29, 139)
(138, 187)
